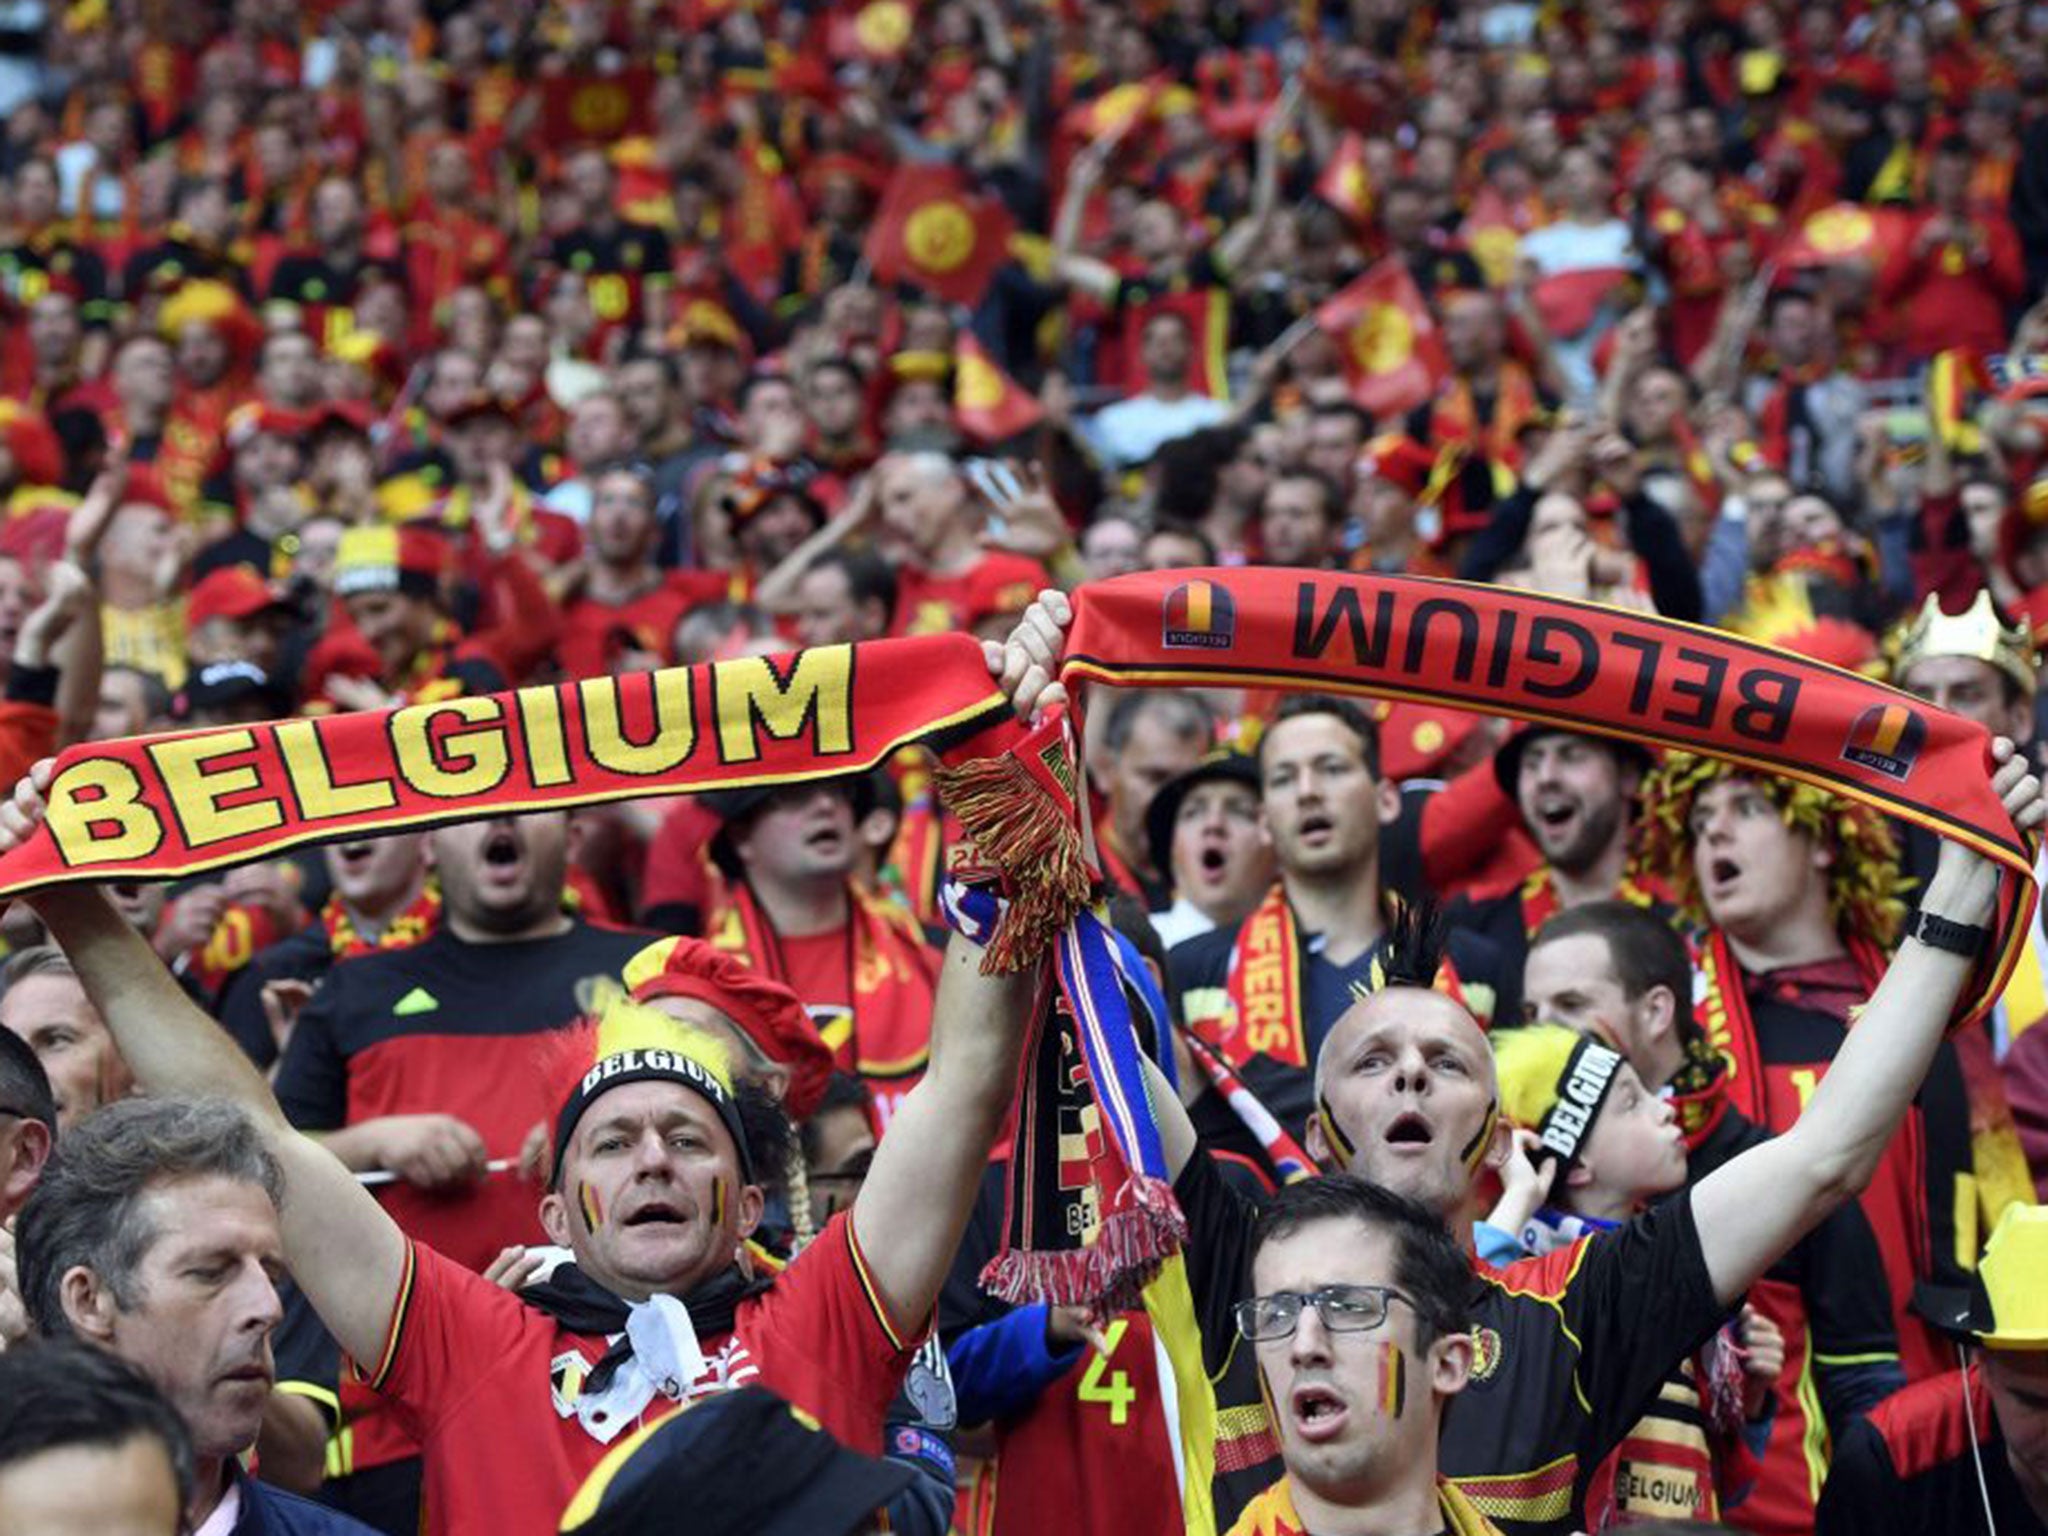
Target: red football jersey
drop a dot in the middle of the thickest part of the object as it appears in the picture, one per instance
(472, 1368)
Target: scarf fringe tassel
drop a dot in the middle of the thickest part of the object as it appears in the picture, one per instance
(1031, 840)
(1111, 1273)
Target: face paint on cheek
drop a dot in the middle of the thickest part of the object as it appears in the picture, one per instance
(718, 1202)
(1340, 1144)
(593, 1213)
(1474, 1152)
(1393, 1385)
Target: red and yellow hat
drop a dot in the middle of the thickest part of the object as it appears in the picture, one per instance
(388, 559)
(761, 1008)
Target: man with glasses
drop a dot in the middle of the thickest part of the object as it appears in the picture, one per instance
(1361, 1324)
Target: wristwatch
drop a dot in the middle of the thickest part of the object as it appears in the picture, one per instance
(1938, 932)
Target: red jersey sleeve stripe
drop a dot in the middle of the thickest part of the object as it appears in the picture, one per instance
(895, 1334)
(392, 1335)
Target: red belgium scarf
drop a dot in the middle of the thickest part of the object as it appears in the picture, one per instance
(891, 973)
(1730, 1027)
(179, 803)
(1265, 1017)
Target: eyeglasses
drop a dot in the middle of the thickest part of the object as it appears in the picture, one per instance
(1343, 1309)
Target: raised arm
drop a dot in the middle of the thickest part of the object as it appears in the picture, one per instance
(346, 1254)
(921, 1186)
(1243, 238)
(1751, 1210)
(1090, 274)
(1029, 668)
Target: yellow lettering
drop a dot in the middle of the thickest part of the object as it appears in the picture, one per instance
(547, 750)
(1112, 1389)
(819, 693)
(1266, 1037)
(197, 789)
(675, 730)
(320, 798)
(109, 823)
(479, 757)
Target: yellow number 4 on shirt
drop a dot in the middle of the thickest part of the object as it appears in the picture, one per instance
(1117, 1392)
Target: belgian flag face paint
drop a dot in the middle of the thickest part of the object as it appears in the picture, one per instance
(718, 1202)
(1474, 1151)
(586, 1200)
(1341, 1150)
(1392, 1393)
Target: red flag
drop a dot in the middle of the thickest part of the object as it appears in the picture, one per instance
(1844, 232)
(587, 109)
(1493, 235)
(987, 403)
(1956, 380)
(1346, 184)
(1389, 339)
(1115, 107)
(1569, 302)
(766, 219)
(934, 231)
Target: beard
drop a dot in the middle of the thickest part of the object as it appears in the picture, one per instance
(1589, 837)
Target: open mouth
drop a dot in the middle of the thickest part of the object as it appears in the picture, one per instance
(1556, 813)
(353, 856)
(501, 849)
(656, 1215)
(1317, 825)
(1319, 1413)
(826, 840)
(1723, 872)
(1410, 1130)
(1213, 861)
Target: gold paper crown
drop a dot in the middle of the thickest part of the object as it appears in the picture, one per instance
(1977, 632)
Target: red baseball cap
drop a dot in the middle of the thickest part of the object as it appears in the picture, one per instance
(231, 592)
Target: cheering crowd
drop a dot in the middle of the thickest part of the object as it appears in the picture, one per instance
(1569, 1132)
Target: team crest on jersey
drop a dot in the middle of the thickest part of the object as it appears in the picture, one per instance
(566, 1375)
(1486, 1353)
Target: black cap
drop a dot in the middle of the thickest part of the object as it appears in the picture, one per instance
(223, 684)
(742, 1463)
(1507, 758)
(1219, 766)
